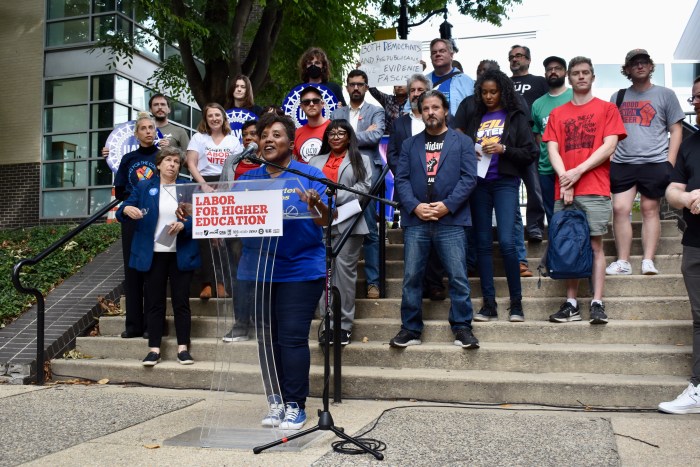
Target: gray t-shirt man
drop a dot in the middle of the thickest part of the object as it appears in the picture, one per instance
(647, 116)
(177, 135)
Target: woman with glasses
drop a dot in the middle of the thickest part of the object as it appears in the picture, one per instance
(341, 162)
(163, 250)
(505, 147)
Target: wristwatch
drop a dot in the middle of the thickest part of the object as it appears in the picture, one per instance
(504, 148)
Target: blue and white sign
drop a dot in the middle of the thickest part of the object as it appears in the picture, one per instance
(122, 141)
(236, 118)
(291, 104)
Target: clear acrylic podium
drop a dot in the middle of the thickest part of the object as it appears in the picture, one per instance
(244, 376)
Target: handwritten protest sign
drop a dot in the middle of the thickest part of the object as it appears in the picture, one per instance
(237, 214)
(389, 63)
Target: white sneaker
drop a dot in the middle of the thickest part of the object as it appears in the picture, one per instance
(687, 402)
(275, 414)
(619, 267)
(648, 268)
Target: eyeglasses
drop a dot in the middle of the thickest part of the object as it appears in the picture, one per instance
(694, 98)
(314, 101)
(553, 68)
(518, 56)
(356, 85)
(337, 134)
(642, 62)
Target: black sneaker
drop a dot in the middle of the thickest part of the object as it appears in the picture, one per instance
(598, 315)
(325, 335)
(516, 311)
(465, 338)
(236, 334)
(488, 312)
(151, 359)
(567, 312)
(185, 358)
(405, 338)
(344, 337)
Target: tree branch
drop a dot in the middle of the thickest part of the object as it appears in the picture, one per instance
(194, 78)
(258, 61)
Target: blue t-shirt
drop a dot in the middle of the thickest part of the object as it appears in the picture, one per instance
(298, 255)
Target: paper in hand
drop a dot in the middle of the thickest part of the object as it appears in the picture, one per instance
(164, 238)
(482, 165)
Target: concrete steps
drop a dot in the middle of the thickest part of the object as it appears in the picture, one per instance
(366, 382)
(641, 357)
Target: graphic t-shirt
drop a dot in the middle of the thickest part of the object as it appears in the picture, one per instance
(647, 117)
(135, 166)
(490, 131)
(433, 148)
(307, 141)
(531, 87)
(579, 130)
(211, 156)
(541, 109)
(178, 136)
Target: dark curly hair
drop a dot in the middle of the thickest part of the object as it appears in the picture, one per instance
(353, 152)
(509, 100)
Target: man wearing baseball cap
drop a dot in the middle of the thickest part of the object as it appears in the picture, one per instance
(558, 94)
(643, 161)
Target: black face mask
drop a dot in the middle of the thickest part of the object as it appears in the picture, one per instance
(314, 71)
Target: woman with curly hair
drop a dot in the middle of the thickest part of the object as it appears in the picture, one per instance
(504, 140)
(314, 68)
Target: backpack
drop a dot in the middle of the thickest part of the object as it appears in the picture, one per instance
(569, 254)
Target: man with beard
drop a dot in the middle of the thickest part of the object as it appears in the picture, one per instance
(559, 94)
(409, 124)
(644, 160)
(368, 122)
(581, 135)
(307, 138)
(436, 174)
(531, 87)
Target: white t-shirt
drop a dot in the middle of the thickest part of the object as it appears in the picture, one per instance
(167, 205)
(211, 156)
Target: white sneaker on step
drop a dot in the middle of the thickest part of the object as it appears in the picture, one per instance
(648, 268)
(619, 267)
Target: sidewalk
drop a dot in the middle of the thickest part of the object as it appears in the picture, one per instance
(114, 425)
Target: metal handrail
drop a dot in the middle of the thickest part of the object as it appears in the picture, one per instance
(41, 307)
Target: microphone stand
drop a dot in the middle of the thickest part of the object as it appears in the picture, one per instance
(325, 419)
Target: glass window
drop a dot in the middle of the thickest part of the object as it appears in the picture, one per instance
(180, 113)
(64, 8)
(65, 119)
(103, 27)
(67, 32)
(659, 76)
(102, 116)
(683, 74)
(609, 76)
(140, 96)
(99, 198)
(103, 87)
(121, 89)
(126, 7)
(196, 118)
(100, 173)
(69, 203)
(100, 6)
(65, 175)
(59, 147)
(147, 44)
(170, 51)
(121, 114)
(98, 140)
(66, 91)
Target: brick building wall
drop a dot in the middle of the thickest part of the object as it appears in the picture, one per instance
(19, 195)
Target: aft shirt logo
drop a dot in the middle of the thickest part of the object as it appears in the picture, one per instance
(579, 132)
(637, 112)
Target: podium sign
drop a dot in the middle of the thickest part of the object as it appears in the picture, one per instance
(237, 214)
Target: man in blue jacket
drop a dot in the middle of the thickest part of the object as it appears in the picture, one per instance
(435, 177)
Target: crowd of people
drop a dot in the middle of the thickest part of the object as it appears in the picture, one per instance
(459, 150)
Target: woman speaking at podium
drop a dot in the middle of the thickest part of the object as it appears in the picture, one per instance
(289, 272)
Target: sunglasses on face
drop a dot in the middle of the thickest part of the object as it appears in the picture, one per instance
(314, 101)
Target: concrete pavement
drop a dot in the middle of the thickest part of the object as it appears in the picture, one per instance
(67, 424)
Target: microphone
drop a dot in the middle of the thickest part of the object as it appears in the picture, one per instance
(247, 152)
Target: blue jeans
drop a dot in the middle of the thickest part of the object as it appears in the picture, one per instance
(449, 243)
(501, 195)
(370, 244)
(519, 237)
(547, 185)
(283, 314)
